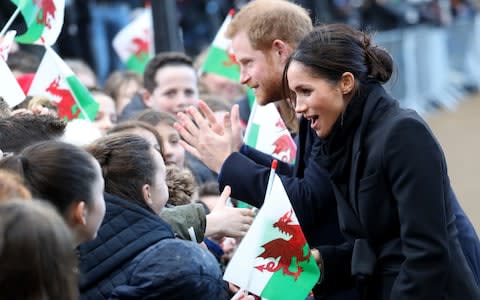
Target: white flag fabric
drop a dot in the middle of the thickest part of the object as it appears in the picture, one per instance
(134, 43)
(273, 260)
(11, 91)
(56, 81)
(267, 132)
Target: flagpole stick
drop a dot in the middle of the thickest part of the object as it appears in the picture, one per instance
(272, 177)
(85, 115)
(191, 232)
(10, 21)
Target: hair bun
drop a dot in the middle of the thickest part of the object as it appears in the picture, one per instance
(380, 63)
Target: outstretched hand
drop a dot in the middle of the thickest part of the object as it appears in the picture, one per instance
(229, 221)
(207, 139)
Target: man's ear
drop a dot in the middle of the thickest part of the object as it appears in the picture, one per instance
(347, 83)
(281, 49)
(146, 98)
(147, 196)
(79, 213)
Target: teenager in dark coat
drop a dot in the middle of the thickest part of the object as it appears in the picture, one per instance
(136, 255)
(388, 173)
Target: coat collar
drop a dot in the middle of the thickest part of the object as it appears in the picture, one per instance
(373, 99)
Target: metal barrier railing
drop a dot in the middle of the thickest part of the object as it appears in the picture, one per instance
(472, 56)
(434, 66)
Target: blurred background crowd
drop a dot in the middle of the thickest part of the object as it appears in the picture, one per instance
(425, 37)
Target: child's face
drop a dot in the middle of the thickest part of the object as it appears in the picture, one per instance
(176, 89)
(173, 152)
(106, 116)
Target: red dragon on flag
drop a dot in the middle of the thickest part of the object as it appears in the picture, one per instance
(141, 46)
(67, 106)
(47, 11)
(231, 61)
(284, 145)
(285, 250)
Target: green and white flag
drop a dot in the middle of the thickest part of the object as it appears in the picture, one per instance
(11, 91)
(220, 59)
(267, 132)
(44, 20)
(56, 81)
(273, 260)
(134, 43)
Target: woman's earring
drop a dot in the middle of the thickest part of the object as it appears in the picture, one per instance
(341, 118)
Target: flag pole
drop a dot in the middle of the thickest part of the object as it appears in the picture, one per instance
(271, 178)
(85, 115)
(10, 21)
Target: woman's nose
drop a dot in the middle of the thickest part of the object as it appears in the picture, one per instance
(300, 106)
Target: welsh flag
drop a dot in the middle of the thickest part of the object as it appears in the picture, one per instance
(134, 43)
(44, 20)
(55, 80)
(273, 260)
(220, 59)
(11, 91)
(267, 132)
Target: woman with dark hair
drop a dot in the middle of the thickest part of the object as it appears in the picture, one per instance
(37, 260)
(67, 177)
(388, 172)
(136, 255)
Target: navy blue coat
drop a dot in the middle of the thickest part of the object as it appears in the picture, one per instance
(398, 213)
(306, 184)
(308, 187)
(135, 256)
